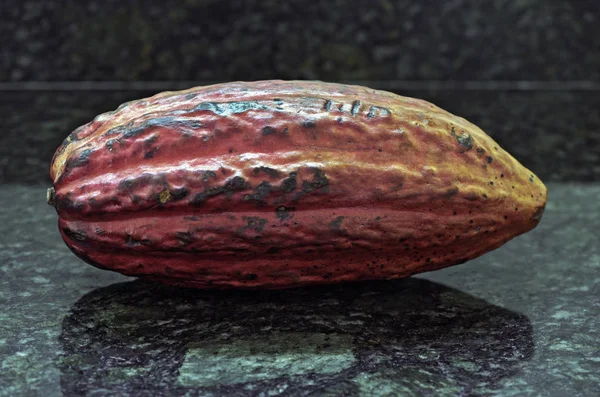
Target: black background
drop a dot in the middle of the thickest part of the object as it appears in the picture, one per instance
(526, 71)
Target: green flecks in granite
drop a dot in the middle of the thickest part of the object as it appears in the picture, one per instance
(562, 314)
(39, 280)
(273, 356)
(577, 342)
(25, 369)
(406, 382)
(119, 375)
(467, 365)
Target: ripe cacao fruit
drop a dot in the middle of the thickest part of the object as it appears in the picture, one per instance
(276, 184)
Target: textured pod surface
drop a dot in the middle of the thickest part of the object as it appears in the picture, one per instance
(275, 184)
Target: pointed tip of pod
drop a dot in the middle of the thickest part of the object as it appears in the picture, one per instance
(51, 197)
(537, 214)
(532, 202)
(536, 217)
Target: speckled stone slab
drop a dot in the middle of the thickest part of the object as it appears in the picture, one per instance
(522, 320)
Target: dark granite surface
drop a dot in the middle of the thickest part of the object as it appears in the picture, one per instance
(522, 320)
(555, 134)
(330, 40)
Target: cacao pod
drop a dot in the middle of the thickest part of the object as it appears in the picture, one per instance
(276, 184)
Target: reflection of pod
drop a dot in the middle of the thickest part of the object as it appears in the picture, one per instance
(404, 334)
(275, 184)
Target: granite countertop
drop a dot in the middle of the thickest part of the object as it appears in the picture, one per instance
(522, 320)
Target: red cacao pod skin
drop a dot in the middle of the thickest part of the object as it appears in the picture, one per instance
(277, 184)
